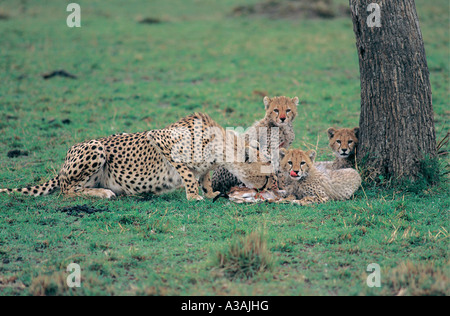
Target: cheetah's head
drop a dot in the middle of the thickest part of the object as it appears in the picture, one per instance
(343, 141)
(281, 110)
(297, 163)
(254, 175)
(255, 170)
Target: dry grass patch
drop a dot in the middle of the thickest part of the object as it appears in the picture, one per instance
(244, 257)
(418, 279)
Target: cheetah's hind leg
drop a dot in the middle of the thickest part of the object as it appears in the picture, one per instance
(84, 170)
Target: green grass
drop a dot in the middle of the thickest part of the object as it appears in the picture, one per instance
(134, 77)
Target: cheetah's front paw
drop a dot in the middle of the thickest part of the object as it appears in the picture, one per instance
(212, 195)
(194, 197)
(300, 202)
(107, 194)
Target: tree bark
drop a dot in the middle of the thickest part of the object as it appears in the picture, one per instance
(397, 122)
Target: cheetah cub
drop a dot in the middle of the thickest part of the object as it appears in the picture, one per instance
(280, 113)
(305, 184)
(344, 143)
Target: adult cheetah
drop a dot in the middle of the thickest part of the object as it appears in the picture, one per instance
(154, 161)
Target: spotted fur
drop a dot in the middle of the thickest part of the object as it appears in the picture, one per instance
(127, 164)
(305, 184)
(280, 113)
(344, 143)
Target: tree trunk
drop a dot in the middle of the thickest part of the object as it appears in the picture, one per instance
(396, 123)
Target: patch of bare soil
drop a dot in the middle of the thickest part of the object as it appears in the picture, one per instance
(80, 210)
(292, 9)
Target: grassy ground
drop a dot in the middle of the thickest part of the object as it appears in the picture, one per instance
(132, 77)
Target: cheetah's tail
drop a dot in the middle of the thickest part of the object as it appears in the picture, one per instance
(43, 189)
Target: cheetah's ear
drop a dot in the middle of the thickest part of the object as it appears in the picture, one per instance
(312, 154)
(254, 144)
(266, 102)
(251, 153)
(283, 152)
(356, 131)
(331, 132)
(296, 101)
